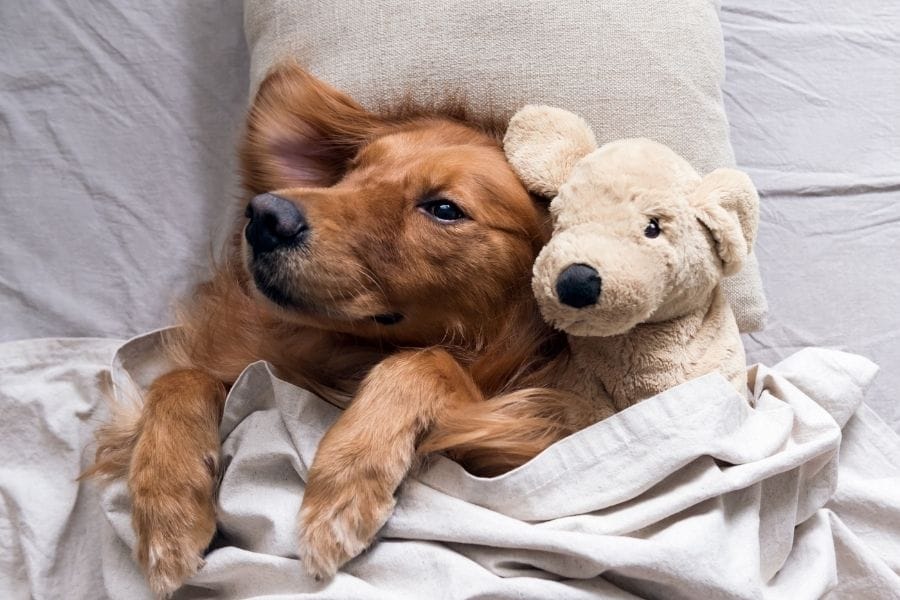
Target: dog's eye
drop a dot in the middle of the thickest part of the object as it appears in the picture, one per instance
(442, 210)
(652, 230)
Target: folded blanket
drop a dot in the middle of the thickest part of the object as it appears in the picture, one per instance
(692, 493)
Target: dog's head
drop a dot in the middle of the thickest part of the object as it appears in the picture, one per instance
(401, 228)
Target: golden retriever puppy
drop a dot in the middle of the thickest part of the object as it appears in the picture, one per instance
(384, 262)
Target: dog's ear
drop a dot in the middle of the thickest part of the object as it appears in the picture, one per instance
(543, 144)
(300, 132)
(728, 206)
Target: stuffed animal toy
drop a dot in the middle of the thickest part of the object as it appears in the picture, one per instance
(633, 271)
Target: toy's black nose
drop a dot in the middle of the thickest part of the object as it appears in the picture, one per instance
(274, 222)
(578, 286)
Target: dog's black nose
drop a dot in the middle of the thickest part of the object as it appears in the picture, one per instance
(578, 286)
(274, 222)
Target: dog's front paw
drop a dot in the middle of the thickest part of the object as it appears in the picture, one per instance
(168, 559)
(334, 530)
(173, 515)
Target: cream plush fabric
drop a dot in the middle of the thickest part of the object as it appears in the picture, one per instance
(631, 69)
(643, 308)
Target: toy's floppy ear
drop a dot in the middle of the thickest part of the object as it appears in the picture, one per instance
(728, 206)
(543, 144)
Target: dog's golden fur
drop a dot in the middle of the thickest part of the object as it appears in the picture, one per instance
(469, 329)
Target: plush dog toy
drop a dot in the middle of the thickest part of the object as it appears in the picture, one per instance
(633, 271)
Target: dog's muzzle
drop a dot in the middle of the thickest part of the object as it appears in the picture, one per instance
(275, 222)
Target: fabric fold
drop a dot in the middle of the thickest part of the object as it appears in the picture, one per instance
(696, 492)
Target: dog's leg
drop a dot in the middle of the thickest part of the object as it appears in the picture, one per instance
(172, 476)
(366, 454)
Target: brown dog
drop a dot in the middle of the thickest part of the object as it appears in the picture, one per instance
(384, 260)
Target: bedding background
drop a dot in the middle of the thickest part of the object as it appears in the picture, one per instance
(118, 123)
(117, 131)
(811, 90)
(651, 502)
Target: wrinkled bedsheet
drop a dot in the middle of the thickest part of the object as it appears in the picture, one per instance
(118, 129)
(811, 92)
(691, 494)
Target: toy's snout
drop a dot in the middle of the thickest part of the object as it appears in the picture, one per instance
(594, 280)
(578, 286)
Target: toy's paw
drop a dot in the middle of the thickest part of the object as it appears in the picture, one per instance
(174, 518)
(334, 530)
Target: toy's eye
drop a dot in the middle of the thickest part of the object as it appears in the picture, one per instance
(652, 230)
(442, 210)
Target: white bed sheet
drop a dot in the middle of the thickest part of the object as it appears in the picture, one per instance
(690, 494)
(118, 124)
(811, 93)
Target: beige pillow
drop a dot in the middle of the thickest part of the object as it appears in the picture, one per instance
(650, 69)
